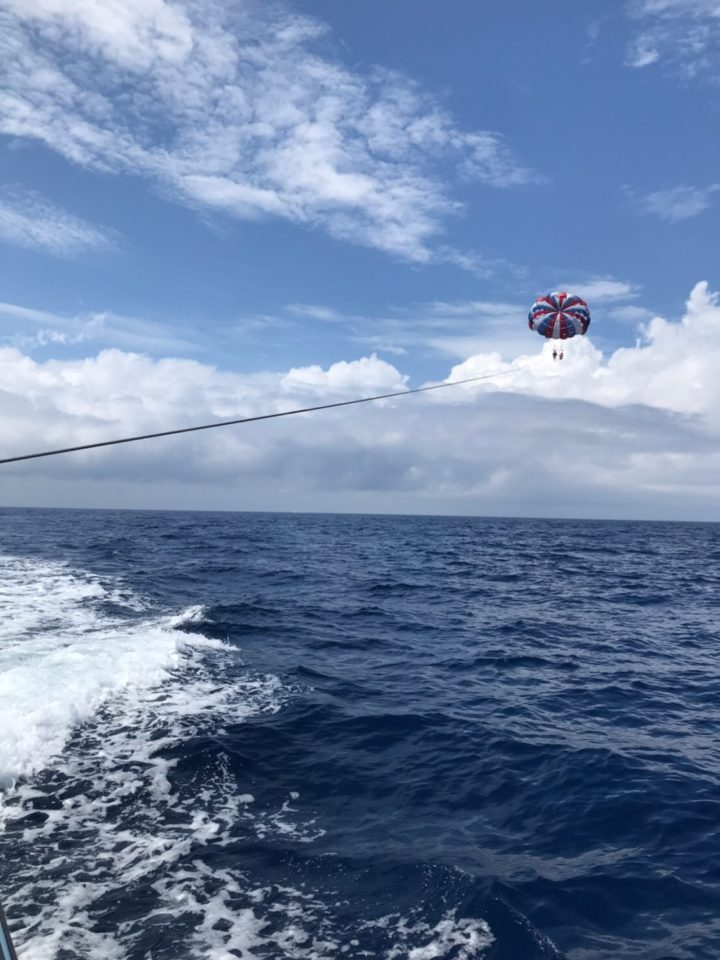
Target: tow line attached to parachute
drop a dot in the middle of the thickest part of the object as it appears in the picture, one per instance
(263, 416)
(557, 316)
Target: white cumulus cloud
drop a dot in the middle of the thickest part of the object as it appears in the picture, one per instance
(632, 433)
(675, 367)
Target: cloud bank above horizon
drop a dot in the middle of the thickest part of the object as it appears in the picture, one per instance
(591, 436)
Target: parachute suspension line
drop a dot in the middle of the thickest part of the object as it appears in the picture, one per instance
(263, 416)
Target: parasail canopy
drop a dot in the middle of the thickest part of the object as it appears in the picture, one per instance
(559, 315)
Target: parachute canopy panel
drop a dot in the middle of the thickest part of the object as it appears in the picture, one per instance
(559, 316)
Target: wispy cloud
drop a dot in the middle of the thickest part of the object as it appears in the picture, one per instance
(28, 220)
(678, 203)
(630, 313)
(592, 30)
(460, 327)
(478, 264)
(601, 289)
(684, 33)
(39, 328)
(642, 53)
(455, 328)
(255, 323)
(314, 312)
(463, 328)
(246, 113)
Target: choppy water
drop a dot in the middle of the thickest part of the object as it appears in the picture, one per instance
(271, 736)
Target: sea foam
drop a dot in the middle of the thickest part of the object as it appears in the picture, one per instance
(62, 655)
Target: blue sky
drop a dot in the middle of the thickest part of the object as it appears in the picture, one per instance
(262, 187)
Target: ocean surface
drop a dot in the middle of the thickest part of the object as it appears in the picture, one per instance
(293, 736)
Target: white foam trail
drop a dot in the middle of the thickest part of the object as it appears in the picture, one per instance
(97, 705)
(460, 938)
(62, 656)
(101, 699)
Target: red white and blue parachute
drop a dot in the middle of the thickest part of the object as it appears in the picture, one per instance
(559, 315)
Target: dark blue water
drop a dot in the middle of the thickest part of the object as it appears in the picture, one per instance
(306, 736)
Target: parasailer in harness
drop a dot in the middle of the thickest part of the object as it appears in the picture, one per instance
(559, 316)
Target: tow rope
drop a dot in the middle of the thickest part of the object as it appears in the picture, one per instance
(263, 416)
